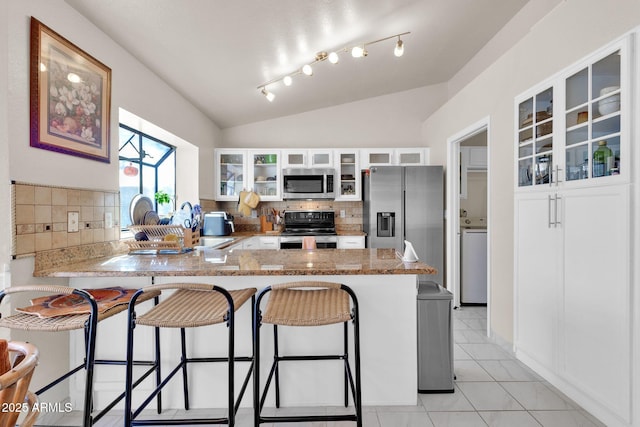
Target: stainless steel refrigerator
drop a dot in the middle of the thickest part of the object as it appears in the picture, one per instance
(406, 203)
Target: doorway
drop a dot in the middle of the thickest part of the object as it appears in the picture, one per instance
(468, 212)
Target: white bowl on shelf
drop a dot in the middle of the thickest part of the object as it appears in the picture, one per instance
(609, 105)
(608, 89)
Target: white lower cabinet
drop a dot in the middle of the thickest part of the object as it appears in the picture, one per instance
(537, 279)
(350, 242)
(573, 294)
(261, 242)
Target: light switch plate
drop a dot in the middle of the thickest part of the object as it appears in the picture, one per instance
(108, 220)
(72, 222)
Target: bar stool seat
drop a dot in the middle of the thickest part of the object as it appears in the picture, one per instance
(191, 305)
(307, 303)
(88, 322)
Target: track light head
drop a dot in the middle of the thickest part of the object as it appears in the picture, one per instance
(287, 80)
(357, 51)
(307, 70)
(334, 58)
(399, 49)
(269, 95)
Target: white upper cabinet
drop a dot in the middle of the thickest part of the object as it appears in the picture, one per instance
(348, 174)
(412, 156)
(394, 156)
(573, 129)
(307, 158)
(261, 170)
(230, 173)
(377, 157)
(265, 173)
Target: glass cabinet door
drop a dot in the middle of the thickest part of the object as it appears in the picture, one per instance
(231, 174)
(592, 138)
(348, 173)
(535, 139)
(266, 174)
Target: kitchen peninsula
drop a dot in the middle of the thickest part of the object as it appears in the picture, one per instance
(385, 287)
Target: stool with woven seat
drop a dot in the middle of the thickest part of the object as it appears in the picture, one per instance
(88, 321)
(191, 305)
(307, 303)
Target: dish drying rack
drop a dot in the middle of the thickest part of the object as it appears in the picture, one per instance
(156, 234)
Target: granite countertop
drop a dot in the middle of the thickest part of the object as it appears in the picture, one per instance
(236, 262)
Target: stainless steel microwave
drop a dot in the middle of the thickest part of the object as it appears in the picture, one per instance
(308, 183)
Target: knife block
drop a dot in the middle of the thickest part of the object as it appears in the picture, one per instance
(265, 225)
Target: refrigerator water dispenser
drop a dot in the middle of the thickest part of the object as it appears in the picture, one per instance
(386, 224)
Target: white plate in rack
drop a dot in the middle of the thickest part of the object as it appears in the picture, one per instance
(138, 208)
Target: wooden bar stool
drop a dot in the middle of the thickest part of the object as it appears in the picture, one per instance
(15, 396)
(86, 321)
(191, 305)
(307, 303)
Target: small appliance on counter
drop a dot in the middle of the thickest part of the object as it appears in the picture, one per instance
(217, 224)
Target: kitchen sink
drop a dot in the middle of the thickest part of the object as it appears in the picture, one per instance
(215, 242)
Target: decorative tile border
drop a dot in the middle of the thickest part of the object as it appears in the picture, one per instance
(39, 215)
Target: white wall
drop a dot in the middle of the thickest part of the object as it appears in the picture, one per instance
(134, 88)
(385, 121)
(5, 210)
(571, 31)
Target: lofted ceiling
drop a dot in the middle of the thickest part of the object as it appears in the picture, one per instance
(216, 52)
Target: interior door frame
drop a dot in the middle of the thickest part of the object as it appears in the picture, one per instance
(453, 210)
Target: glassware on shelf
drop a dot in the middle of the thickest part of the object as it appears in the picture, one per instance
(602, 160)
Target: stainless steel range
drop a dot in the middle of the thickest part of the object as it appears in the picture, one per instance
(318, 223)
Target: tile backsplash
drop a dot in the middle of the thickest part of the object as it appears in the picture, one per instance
(40, 216)
(351, 221)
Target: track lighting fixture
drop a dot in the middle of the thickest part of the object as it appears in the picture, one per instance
(306, 69)
(269, 95)
(357, 51)
(399, 49)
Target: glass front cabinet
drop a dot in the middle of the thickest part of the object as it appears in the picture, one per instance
(265, 173)
(347, 174)
(573, 130)
(231, 172)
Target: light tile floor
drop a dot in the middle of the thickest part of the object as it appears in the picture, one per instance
(492, 389)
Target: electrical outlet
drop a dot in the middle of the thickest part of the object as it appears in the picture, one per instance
(343, 213)
(72, 222)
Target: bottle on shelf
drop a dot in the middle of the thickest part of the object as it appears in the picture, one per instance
(602, 160)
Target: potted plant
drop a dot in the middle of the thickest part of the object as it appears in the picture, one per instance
(162, 198)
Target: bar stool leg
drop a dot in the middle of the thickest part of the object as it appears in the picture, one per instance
(91, 327)
(257, 322)
(346, 358)
(183, 361)
(276, 357)
(156, 301)
(230, 366)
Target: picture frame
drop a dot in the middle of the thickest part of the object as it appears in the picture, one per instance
(70, 97)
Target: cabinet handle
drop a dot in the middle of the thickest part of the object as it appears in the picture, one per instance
(558, 169)
(554, 171)
(549, 223)
(557, 222)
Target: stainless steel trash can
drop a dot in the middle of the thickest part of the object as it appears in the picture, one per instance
(435, 339)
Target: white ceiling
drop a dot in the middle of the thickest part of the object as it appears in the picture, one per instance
(216, 52)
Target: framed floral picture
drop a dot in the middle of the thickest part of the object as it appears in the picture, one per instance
(70, 97)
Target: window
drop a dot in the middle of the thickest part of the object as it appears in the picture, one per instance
(147, 165)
